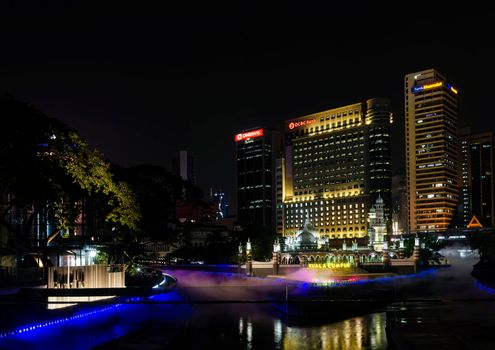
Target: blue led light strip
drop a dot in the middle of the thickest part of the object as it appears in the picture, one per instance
(26, 329)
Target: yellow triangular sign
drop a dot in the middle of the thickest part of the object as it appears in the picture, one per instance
(474, 223)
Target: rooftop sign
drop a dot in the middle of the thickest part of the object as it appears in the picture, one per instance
(293, 125)
(249, 135)
(419, 88)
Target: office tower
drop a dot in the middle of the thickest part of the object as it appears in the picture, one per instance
(337, 165)
(399, 203)
(184, 166)
(279, 194)
(432, 162)
(256, 152)
(477, 191)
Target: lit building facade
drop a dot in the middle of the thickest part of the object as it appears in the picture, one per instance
(256, 152)
(432, 161)
(279, 194)
(477, 191)
(399, 204)
(222, 205)
(337, 164)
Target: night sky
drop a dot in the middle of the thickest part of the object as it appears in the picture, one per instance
(140, 83)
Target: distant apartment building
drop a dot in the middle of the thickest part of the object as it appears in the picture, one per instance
(184, 166)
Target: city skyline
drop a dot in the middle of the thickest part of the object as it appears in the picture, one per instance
(294, 175)
(142, 94)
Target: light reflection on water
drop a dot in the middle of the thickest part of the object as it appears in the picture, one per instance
(364, 332)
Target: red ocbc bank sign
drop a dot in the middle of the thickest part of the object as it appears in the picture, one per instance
(249, 135)
(293, 125)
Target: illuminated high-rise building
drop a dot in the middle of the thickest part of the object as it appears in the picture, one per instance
(432, 151)
(477, 191)
(256, 152)
(337, 164)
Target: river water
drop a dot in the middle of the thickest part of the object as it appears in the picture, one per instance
(226, 311)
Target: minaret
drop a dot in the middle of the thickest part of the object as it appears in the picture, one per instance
(378, 227)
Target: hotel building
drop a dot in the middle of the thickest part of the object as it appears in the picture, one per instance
(256, 153)
(432, 161)
(337, 163)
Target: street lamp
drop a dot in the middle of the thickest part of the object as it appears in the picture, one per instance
(401, 248)
(239, 255)
(249, 258)
(276, 256)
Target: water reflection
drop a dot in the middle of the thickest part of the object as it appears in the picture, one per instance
(249, 331)
(366, 332)
(277, 331)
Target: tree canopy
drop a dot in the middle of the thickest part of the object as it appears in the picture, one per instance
(48, 169)
(157, 191)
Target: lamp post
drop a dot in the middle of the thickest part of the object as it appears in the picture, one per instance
(401, 248)
(249, 258)
(239, 258)
(416, 249)
(276, 256)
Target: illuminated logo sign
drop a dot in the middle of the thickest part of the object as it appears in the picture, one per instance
(452, 89)
(293, 125)
(416, 89)
(419, 88)
(249, 135)
(431, 86)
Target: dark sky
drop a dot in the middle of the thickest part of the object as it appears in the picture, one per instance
(141, 82)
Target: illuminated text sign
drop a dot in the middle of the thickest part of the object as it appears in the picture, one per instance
(293, 125)
(419, 88)
(249, 135)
